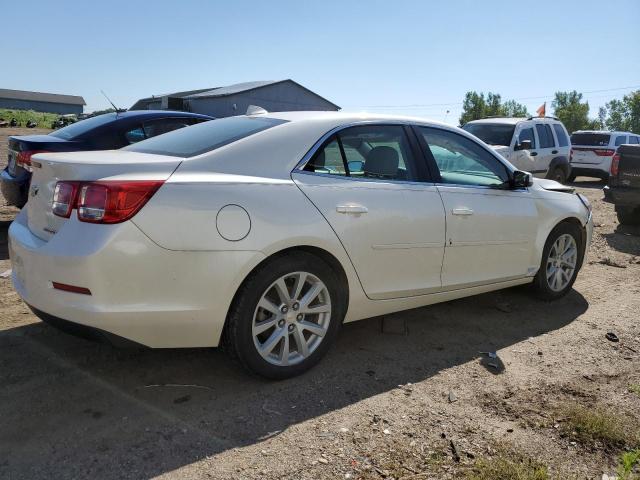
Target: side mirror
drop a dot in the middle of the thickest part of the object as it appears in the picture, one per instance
(523, 145)
(522, 179)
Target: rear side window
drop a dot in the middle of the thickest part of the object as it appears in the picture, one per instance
(563, 141)
(620, 140)
(204, 137)
(544, 134)
(633, 140)
(591, 139)
(372, 152)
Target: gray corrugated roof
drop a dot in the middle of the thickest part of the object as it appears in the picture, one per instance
(41, 97)
(232, 89)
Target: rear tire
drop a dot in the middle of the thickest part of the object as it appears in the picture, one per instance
(271, 330)
(558, 174)
(560, 263)
(628, 215)
(571, 178)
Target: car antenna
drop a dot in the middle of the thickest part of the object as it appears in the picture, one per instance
(112, 104)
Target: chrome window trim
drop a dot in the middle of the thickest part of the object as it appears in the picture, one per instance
(299, 168)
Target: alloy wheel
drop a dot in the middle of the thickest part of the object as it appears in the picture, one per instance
(291, 318)
(561, 262)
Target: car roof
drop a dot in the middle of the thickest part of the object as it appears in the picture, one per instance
(345, 118)
(606, 132)
(502, 120)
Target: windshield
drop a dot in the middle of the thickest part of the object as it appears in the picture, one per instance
(592, 139)
(491, 133)
(83, 126)
(204, 137)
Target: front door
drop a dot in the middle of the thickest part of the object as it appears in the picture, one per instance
(366, 183)
(526, 160)
(491, 228)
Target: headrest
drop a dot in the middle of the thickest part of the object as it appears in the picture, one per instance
(382, 161)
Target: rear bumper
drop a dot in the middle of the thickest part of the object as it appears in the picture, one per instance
(599, 170)
(139, 291)
(627, 197)
(14, 189)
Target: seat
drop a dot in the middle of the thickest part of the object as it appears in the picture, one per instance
(382, 162)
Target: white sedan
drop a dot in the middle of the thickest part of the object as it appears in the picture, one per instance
(266, 232)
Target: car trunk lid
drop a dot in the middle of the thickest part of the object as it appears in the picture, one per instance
(48, 169)
(590, 147)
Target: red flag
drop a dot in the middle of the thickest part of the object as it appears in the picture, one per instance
(542, 110)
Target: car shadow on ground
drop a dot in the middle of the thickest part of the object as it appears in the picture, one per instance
(72, 408)
(625, 239)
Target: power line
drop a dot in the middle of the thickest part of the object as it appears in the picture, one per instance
(417, 105)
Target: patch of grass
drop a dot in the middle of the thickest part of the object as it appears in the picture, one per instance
(628, 462)
(44, 120)
(507, 466)
(635, 388)
(592, 425)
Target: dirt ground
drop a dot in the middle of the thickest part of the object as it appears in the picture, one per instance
(405, 396)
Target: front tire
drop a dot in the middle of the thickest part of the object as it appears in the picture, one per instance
(561, 260)
(285, 316)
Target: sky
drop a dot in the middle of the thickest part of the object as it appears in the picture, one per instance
(413, 57)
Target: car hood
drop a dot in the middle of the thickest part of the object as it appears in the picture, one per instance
(552, 185)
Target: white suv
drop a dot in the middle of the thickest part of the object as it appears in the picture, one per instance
(539, 145)
(592, 151)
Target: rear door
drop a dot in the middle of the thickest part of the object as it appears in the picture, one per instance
(546, 148)
(490, 228)
(370, 185)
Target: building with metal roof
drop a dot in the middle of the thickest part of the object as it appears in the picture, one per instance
(273, 96)
(41, 102)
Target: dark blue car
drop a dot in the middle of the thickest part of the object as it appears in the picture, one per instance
(103, 132)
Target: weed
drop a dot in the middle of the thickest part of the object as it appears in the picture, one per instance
(628, 461)
(591, 425)
(506, 466)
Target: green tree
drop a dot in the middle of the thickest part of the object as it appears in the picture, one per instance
(622, 114)
(473, 107)
(477, 105)
(571, 111)
(511, 108)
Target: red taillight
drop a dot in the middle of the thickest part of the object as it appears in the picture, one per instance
(24, 158)
(108, 201)
(604, 152)
(615, 162)
(64, 197)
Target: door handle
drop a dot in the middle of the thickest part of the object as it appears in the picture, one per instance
(352, 209)
(533, 154)
(554, 151)
(462, 211)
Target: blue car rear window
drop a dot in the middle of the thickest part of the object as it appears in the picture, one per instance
(204, 137)
(83, 126)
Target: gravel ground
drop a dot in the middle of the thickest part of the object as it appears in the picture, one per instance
(404, 396)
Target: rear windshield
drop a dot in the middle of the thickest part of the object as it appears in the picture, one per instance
(204, 137)
(83, 126)
(491, 133)
(592, 139)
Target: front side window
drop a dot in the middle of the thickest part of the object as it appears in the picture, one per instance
(527, 134)
(204, 137)
(462, 161)
(620, 140)
(563, 141)
(153, 128)
(372, 152)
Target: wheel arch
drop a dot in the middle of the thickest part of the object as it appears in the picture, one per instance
(322, 254)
